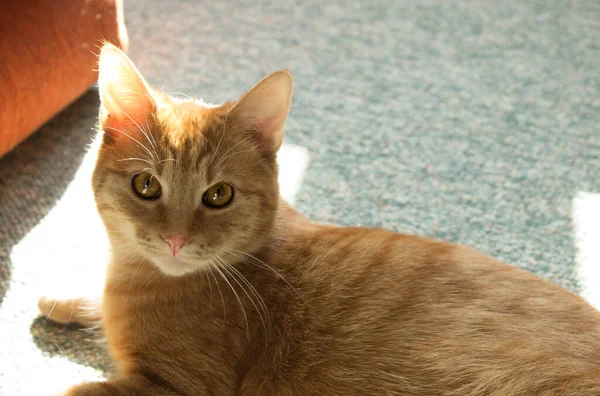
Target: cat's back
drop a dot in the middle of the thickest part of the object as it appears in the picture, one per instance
(388, 313)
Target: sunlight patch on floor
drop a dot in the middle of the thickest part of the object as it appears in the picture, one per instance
(586, 218)
(293, 161)
(63, 255)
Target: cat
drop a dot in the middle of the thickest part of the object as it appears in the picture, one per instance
(216, 286)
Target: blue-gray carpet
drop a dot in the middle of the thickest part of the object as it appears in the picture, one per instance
(474, 121)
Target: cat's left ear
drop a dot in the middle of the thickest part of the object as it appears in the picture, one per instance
(125, 96)
(263, 110)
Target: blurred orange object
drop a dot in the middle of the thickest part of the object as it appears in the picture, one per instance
(48, 58)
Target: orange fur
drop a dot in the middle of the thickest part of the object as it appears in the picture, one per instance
(278, 305)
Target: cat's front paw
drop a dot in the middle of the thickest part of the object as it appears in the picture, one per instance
(91, 389)
(77, 310)
(125, 386)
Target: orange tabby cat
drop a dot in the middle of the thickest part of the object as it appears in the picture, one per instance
(217, 287)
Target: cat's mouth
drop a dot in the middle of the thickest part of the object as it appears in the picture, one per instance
(173, 265)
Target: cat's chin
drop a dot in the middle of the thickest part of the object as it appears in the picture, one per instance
(172, 266)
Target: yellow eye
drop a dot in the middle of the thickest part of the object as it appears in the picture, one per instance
(146, 186)
(218, 196)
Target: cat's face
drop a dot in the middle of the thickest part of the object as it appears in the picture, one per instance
(180, 183)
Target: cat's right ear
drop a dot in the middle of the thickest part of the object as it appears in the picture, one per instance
(125, 97)
(264, 109)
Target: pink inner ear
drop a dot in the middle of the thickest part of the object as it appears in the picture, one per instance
(270, 125)
(124, 115)
(126, 105)
(124, 127)
(266, 106)
(270, 132)
(124, 95)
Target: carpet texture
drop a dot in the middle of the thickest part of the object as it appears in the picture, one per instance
(473, 121)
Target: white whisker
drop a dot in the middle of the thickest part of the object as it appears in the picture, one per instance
(237, 297)
(180, 93)
(217, 149)
(231, 148)
(135, 159)
(219, 288)
(167, 159)
(72, 309)
(152, 136)
(155, 155)
(51, 309)
(132, 138)
(259, 261)
(252, 288)
(234, 272)
(210, 290)
(240, 152)
(134, 275)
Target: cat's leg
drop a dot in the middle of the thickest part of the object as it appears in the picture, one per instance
(126, 386)
(82, 310)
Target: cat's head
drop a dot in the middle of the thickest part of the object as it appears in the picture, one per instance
(181, 183)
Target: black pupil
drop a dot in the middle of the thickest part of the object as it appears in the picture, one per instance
(147, 185)
(218, 192)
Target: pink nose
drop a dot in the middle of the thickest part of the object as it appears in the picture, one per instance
(176, 243)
